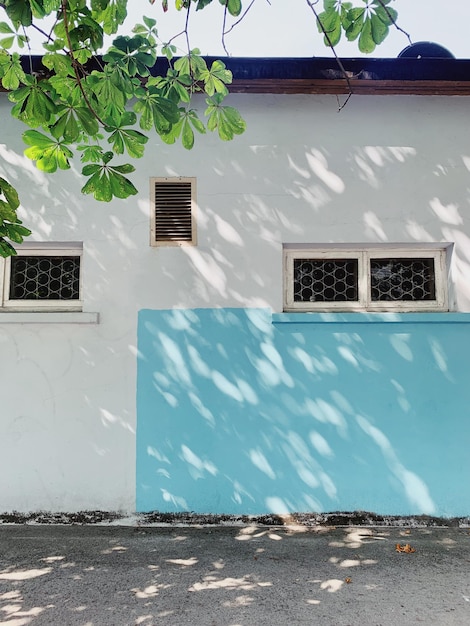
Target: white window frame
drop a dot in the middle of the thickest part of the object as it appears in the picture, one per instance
(364, 255)
(39, 249)
(153, 228)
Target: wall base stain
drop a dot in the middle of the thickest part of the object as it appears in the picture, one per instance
(308, 520)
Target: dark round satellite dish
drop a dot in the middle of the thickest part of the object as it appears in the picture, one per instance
(426, 50)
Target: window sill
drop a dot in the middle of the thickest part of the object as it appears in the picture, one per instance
(371, 318)
(48, 317)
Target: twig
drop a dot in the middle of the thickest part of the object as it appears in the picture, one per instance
(243, 15)
(311, 4)
(391, 18)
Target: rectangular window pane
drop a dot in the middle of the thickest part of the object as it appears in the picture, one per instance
(325, 280)
(402, 279)
(45, 278)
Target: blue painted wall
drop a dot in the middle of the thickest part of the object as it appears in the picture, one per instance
(242, 411)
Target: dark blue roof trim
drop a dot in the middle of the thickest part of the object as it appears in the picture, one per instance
(400, 69)
(374, 69)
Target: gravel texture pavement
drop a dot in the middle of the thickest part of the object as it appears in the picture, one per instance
(233, 576)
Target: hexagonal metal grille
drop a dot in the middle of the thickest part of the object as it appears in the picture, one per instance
(402, 279)
(325, 280)
(45, 278)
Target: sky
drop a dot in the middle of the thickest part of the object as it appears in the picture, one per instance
(287, 28)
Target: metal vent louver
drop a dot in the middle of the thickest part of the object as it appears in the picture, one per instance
(173, 212)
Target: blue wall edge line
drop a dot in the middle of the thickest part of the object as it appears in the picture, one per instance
(370, 318)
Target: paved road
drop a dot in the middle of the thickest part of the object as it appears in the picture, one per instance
(226, 576)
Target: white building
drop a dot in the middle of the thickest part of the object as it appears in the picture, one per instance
(307, 351)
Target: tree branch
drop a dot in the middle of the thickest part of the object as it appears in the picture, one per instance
(75, 65)
(311, 4)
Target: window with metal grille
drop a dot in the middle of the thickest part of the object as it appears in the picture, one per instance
(42, 278)
(394, 280)
(332, 280)
(328, 279)
(173, 220)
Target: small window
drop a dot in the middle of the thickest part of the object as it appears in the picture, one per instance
(173, 221)
(386, 279)
(43, 277)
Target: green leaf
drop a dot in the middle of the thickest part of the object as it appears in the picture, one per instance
(329, 23)
(35, 106)
(234, 7)
(5, 28)
(108, 90)
(16, 232)
(191, 65)
(7, 42)
(10, 194)
(51, 5)
(378, 29)
(111, 14)
(156, 111)
(87, 120)
(60, 64)
(37, 8)
(121, 187)
(202, 3)
(134, 142)
(196, 122)
(99, 186)
(88, 170)
(6, 249)
(12, 71)
(19, 12)
(91, 153)
(227, 120)
(35, 138)
(149, 22)
(48, 154)
(10, 225)
(216, 78)
(106, 182)
(366, 41)
(187, 135)
(127, 168)
(388, 16)
(107, 156)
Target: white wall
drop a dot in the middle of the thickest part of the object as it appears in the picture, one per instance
(384, 169)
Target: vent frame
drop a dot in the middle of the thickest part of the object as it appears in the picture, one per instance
(173, 211)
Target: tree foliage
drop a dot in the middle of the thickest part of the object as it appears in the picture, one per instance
(101, 107)
(368, 23)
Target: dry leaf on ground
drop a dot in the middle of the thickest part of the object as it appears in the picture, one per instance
(406, 548)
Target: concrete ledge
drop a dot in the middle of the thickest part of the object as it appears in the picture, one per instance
(49, 317)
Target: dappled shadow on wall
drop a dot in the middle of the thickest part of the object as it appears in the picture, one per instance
(240, 415)
(382, 182)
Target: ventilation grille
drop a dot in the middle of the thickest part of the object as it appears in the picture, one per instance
(173, 212)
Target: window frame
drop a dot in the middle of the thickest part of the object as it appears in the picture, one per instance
(154, 242)
(42, 250)
(364, 254)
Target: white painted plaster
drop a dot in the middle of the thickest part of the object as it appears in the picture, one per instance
(384, 169)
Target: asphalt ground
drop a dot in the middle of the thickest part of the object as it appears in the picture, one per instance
(233, 576)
